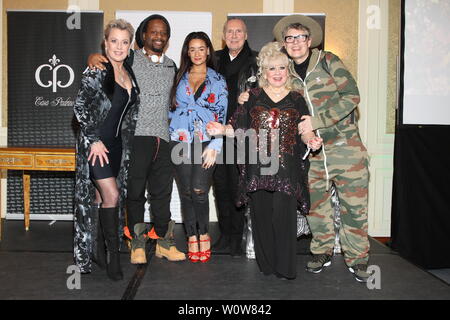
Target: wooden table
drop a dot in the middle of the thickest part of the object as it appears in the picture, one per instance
(31, 159)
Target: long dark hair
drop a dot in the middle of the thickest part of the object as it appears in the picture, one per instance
(186, 63)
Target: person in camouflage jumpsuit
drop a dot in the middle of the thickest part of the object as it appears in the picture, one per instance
(332, 96)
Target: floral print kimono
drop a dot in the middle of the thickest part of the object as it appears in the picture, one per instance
(195, 109)
(91, 109)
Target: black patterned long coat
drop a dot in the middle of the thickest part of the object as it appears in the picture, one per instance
(91, 108)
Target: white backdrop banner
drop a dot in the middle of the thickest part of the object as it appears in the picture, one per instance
(181, 24)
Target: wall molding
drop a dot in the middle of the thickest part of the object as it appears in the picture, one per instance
(278, 6)
(373, 71)
(85, 4)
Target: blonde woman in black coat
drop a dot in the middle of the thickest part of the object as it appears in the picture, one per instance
(106, 109)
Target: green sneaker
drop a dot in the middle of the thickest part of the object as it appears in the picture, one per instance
(360, 272)
(318, 262)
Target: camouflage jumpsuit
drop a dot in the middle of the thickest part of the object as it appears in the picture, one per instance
(332, 96)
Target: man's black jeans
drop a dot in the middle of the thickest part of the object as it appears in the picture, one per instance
(151, 169)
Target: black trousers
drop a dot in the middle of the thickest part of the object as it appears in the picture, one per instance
(151, 169)
(225, 184)
(194, 183)
(274, 221)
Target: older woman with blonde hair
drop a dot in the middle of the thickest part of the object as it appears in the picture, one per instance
(106, 109)
(273, 113)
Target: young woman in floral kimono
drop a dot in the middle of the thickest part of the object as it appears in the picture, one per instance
(199, 95)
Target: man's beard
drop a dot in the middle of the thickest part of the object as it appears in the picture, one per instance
(156, 49)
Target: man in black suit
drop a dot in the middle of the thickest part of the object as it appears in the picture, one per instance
(237, 62)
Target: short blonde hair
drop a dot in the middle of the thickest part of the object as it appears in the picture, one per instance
(273, 51)
(120, 24)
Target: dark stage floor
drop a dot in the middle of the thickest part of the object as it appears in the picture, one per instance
(33, 265)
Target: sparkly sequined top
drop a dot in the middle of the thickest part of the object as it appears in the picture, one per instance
(273, 147)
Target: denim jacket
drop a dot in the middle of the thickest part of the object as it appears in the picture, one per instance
(190, 117)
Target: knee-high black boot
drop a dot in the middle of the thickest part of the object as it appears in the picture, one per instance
(98, 245)
(109, 219)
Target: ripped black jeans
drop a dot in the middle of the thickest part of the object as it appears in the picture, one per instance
(193, 183)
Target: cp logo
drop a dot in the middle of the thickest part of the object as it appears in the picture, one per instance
(52, 67)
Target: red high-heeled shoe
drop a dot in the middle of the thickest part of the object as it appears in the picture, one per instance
(207, 253)
(194, 256)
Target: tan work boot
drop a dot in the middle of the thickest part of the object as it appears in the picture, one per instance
(165, 247)
(138, 244)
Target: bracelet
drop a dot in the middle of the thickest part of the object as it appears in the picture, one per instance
(228, 132)
(96, 141)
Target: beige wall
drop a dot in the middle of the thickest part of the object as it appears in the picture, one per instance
(393, 60)
(341, 27)
(342, 39)
(219, 9)
(341, 23)
(342, 33)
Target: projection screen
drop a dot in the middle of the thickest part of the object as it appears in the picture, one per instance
(426, 63)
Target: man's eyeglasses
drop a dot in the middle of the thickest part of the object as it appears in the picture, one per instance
(299, 37)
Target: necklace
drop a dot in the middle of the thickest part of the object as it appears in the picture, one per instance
(153, 57)
(121, 77)
(277, 94)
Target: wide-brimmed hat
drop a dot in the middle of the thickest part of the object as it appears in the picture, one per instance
(315, 28)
